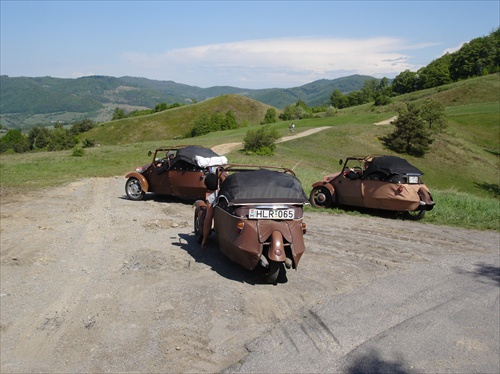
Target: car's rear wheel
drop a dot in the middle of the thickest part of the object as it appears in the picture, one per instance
(198, 225)
(414, 215)
(133, 189)
(320, 197)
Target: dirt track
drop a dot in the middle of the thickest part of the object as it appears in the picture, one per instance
(93, 282)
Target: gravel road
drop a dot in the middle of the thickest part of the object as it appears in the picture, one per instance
(93, 282)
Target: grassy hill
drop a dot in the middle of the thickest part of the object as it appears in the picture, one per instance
(461, 168)
(175, 123)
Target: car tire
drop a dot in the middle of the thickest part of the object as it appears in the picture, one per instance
(198, 225)
(320, 197)
(274, 271)
(133, 189)
(414, 215)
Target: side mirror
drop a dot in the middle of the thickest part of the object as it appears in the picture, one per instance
(150, 153)
(341, 162)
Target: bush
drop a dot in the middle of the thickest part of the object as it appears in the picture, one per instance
(78, 152)
(261, 141)
(88, 143)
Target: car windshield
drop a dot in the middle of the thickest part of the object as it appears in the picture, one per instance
(262, 186)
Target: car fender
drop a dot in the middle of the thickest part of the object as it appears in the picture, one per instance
(324, 184)
(426, 197)
(142, 180)
(276, 250)
(200, 205)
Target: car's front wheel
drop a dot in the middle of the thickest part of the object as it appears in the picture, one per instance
(320, 197)
(134, 190)
(414, 215)
(274, 271)
(199, 218)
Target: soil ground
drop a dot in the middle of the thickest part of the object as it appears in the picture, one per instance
(94, 282)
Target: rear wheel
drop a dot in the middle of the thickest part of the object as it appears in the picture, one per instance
(320, 197)
(133, 189)
(414, 215)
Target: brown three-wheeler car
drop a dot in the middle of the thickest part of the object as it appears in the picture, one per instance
(375, 182)
(176, 171)
(257, 217)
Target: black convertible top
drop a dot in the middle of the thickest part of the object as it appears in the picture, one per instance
(185, 157)
(389, 165)
(262, 186)
(189, 153)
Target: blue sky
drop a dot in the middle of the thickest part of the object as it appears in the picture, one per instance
(246, 44)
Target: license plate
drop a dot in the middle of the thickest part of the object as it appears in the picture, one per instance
(271, 214)
(412, 179)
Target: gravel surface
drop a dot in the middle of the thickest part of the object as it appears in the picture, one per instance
(93, 282)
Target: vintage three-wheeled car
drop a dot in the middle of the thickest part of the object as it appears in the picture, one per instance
(176, 171)
(376, 182)
(258, 217)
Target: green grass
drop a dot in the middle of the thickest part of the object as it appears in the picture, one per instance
(461, 169)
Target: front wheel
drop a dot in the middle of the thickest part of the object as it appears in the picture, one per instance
(134, 190)
(199, 217)
(320, 197)
(414, 215)
(274, 271)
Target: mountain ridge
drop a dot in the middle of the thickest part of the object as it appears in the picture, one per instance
(29, 101)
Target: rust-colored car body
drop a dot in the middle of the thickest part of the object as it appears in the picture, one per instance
(174, 170)
(258, 217)
(375, 182)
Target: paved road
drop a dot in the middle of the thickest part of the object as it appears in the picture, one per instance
(434, 318)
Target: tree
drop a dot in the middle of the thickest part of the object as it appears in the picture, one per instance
(270, 116)
(261, 141)
(38, 137)
(338, 100)
(60, 139)
(15, 140)
(118, 114)
(160, 107)
(410, 136)
(201, 125)
(230, 121)
(405, 82)
(437, 73)
(432, 112)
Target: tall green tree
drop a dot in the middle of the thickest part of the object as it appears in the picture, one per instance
(433, 112)
(404, 82)
(230, 121)
(338, 99)
(437, 73)
(14, 140)
(270, 116)
(411, 135)
(38, 137)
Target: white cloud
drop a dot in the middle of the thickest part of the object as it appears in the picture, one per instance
(285, 62)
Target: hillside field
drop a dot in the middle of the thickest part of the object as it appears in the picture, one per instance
(463, 161)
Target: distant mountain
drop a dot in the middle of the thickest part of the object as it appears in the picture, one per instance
(27, 101)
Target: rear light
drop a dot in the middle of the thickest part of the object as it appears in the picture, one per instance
(400, 188)
(303, 228)
(240, 226)
(277, 252)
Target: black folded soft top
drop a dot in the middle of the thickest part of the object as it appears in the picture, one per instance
(390, 165)
(262, 186)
